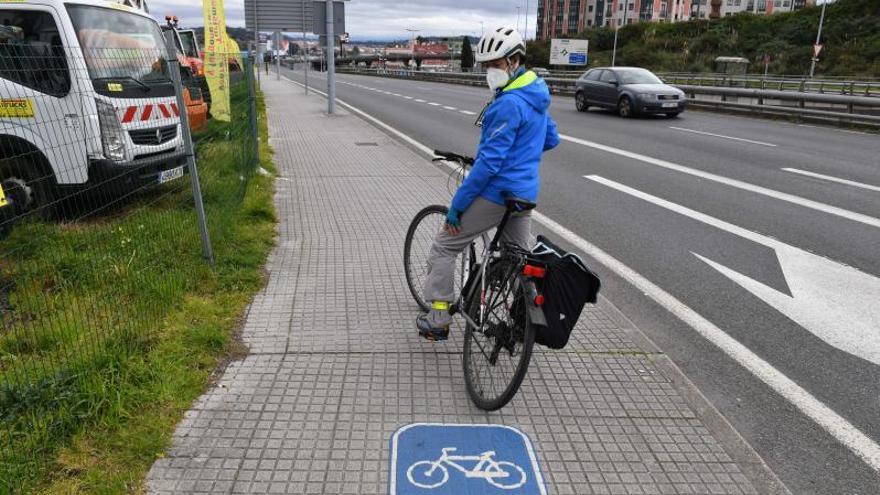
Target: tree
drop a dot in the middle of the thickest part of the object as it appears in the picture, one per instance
(467, 55)
(421, 40)
(355, 50)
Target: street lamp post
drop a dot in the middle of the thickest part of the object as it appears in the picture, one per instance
(256, 44)
(616, 29)
(818, 38)
(413, 46)
(517, 17)
(526, 33)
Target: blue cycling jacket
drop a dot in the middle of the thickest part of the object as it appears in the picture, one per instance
(517, 129)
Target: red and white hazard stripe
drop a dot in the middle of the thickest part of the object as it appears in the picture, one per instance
(147, 112)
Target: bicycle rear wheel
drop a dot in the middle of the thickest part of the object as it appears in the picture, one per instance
(419, 237)
(498, 350)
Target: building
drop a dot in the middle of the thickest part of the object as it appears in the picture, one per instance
(558, 18)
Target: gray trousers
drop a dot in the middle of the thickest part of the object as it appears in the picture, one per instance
(480, 217)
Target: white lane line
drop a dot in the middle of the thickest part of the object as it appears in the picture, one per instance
(408, 97)
(433, 104)
(837, 426)
(467, 112)
(762, 143)
(419, 100)
(449, 108)
(790, 198)
(833, 179)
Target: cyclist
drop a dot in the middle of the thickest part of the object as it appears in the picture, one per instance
(516, 130)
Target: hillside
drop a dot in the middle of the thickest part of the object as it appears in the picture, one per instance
(851, 35)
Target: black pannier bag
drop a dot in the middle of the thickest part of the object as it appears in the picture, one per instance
(567, 285)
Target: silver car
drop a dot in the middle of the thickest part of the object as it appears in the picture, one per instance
(629, 90)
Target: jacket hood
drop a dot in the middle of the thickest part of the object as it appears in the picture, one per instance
(531, 89)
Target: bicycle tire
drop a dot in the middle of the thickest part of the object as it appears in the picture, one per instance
(410, 268)
(495, 401)
(414, 271)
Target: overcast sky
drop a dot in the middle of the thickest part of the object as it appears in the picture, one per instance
(366, 19)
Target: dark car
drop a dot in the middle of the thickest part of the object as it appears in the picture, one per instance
(629, 90)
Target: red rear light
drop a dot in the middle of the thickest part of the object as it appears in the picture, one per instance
(539, 300)
(534, 271)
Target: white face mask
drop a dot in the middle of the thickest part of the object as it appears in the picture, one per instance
(497, 78)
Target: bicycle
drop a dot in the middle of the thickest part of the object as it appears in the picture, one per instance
(497, 297)
(486, 468)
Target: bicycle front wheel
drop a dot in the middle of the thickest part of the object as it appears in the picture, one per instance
(419, 238)
(416, 249)
(498, 349)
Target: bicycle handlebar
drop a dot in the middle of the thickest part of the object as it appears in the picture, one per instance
(449, 155)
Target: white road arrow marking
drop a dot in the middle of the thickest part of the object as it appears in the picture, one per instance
(833, 301)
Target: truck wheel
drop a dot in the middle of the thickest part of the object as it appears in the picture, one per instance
(29, 191)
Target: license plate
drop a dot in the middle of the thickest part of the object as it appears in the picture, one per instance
(670, 105)
(170, 174)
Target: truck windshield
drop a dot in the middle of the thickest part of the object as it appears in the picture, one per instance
(120, 44)
(189, 43)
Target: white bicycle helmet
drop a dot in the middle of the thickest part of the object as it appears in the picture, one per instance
(502, 42)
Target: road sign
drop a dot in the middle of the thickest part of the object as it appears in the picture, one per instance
(568, 52)
(278, 15)
(441, 459)
(319, 18)
(816, 49)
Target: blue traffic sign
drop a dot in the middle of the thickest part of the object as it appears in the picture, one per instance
(441, 459)
(577, 58)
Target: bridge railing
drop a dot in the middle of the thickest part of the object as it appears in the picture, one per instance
(804, 105)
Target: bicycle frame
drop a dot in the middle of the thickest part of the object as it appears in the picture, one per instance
(536, 314)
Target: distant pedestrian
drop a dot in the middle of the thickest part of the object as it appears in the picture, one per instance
(267, 61)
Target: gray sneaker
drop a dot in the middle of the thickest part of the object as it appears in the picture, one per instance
(434, 325)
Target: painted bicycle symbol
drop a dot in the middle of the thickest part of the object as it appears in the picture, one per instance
(431, 474)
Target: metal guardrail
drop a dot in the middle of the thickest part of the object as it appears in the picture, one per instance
(861, 87)
(836, 108)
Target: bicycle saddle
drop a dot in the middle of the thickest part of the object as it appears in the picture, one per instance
(516, 205)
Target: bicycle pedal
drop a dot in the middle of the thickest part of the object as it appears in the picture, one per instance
(435, 335)
(430, 333)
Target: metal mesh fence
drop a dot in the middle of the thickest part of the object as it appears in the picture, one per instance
(99, 233)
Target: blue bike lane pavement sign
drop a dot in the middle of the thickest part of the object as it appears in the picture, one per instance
(450, 459)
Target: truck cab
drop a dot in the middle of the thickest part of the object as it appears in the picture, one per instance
(86, 101)
(193, 97)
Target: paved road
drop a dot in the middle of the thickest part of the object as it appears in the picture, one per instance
(727, 215)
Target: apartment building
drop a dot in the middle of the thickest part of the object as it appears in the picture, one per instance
(558, 18)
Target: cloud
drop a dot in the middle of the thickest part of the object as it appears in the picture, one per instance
(385, 18)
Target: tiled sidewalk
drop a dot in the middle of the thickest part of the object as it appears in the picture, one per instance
(336, 366)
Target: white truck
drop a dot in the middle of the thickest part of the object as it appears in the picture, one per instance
(87, 102)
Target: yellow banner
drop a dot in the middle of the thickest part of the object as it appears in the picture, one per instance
(234, 52)
(16, 107)
(216, 58)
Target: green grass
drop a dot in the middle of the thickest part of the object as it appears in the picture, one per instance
(112, 325)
